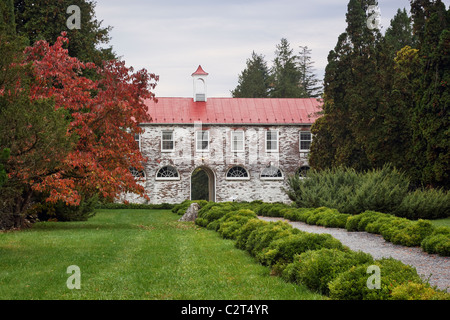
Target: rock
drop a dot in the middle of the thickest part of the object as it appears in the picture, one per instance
(191, 213)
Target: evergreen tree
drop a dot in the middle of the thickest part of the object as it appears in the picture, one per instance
(46, 19)
(352, 95)
(399, 34)
(254, 80)
(285, 74)
(308, 81)
(430, 117)
(7, 18)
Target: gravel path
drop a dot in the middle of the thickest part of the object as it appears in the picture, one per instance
(429, 266)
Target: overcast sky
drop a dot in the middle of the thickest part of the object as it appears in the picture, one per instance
(172, 37)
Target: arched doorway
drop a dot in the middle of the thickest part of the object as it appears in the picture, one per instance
(203, 184)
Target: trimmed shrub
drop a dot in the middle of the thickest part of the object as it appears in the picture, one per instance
(316, 268)
(260, 238)
(230, 223)
(62, 212)
(413, 234)
(418, 291)
(282, 251)
(244, 232)
(352, 283)
(181, 208)
(438, 242)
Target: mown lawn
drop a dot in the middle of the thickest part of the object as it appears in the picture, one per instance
(133, 254)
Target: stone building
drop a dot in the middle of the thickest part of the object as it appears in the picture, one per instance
(246, 147)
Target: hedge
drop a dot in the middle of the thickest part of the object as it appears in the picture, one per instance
(317, 261)
(394, 229)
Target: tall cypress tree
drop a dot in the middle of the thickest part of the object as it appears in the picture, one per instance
(352, 95)
(432, 98)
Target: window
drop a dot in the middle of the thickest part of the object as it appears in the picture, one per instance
(167, 173)
(303, 171)
(137, 140)
(305, 140)
(271, 173)
(237, 141)
(136, 173)
(237, 173)
(167, 142)
(202, 140)
(271, 141)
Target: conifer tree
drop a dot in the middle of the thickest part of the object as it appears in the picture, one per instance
(285, 74)
(254, 80)
(308, 79)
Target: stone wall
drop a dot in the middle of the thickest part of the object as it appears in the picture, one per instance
(219, 159)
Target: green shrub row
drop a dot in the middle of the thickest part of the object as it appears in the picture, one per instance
(401, 231)
(317, 261)
(165, 206)
(383, 190)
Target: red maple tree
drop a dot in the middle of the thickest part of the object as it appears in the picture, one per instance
(104, 116)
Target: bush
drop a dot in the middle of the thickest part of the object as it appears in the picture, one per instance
(114, 205)
(418, 291)
(261, 237)
(231, 222)
(282, 251)
(438, 242)
(425, 204)
(316, 268)
(352, 283)
(413, 234)
(382, 190)
(181, 208)
(62, 212)
(244, 232)
(214, 211)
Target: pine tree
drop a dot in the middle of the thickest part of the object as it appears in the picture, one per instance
(308, 81)
(285, 74)
(254, 80)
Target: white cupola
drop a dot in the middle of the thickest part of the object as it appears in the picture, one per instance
(199, 78)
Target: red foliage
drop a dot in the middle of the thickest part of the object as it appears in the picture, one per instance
(105, 114)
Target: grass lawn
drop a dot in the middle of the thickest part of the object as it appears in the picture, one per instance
(133, 254)
(441, 222)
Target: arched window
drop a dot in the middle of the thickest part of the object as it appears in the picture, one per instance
(271, 173)
(302, 171)
(136, 173)
(167, 173)
(237, 173)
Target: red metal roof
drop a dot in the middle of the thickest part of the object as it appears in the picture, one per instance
(200, 72)
(234, 111)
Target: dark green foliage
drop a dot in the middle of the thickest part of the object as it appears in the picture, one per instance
(438, 242)
(316, 268)
(352, 283)
(254, 80)
(319, 261)
(46, 19)
(62, 212)
(283, 250)
(181, 208)
(136, 206)
(383, 190)
(386, 97)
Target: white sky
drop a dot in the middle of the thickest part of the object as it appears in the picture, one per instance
(172, 37)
